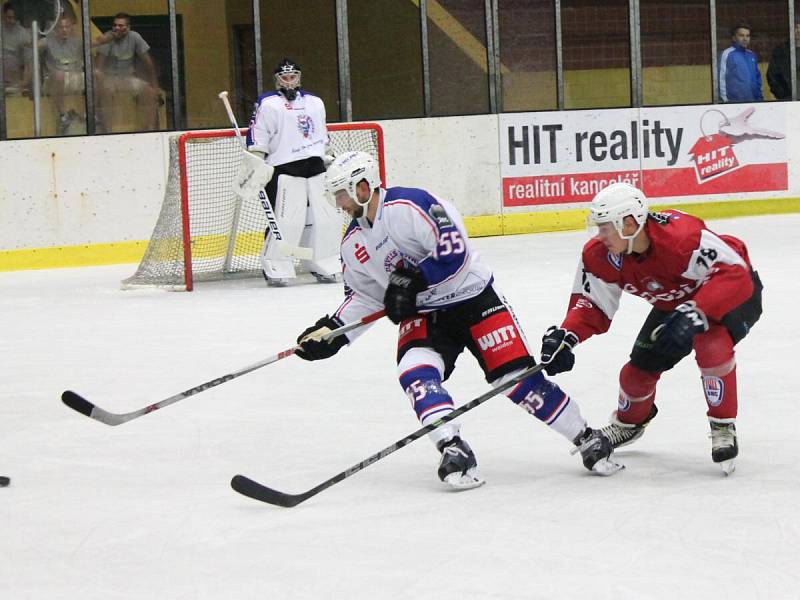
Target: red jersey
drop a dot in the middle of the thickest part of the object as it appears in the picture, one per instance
(685, 261)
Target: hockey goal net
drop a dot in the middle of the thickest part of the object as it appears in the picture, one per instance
(205, 232)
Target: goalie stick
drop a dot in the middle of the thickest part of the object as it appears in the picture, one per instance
(299, 252)
(82, 405)
(253, 489)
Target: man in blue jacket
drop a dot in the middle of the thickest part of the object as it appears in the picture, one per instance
(739, 77)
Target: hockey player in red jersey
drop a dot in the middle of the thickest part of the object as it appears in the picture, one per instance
(705, 296)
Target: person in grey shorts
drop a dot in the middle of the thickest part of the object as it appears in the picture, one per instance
(123, 57)
(63, 59)
(15, 51)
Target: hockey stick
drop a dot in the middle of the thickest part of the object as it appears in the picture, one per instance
(253, 489)
(82, 405)
(298, 252)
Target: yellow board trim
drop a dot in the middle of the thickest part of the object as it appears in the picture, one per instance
(570, 220)
(482, 226)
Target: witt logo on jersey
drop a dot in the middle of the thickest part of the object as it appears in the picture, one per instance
(410, 330)
(305, 125)
(361, 254)
(499, 337)
(498, 340)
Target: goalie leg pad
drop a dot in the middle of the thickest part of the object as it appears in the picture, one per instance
(290, 208)
(275, 264)
(323, 231)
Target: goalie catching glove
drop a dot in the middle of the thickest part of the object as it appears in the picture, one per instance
(557, 345)
(313, 347)
(400, 299)
(675, 337)
(253, 175)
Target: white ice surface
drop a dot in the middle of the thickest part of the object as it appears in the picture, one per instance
(144, 510)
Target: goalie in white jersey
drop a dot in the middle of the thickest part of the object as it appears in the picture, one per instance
(407, 251)
(287, 142)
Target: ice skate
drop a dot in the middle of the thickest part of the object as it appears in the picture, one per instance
(458, 467)
(596, 450)
(621, 434)
(724, 447)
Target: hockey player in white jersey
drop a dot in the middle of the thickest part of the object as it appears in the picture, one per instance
(407, 251)
(288, 131)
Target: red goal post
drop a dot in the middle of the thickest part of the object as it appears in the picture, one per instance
(205, 232)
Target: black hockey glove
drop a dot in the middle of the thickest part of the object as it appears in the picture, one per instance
(314, 348)
(557, 345)
(400, 299)
(675, 336)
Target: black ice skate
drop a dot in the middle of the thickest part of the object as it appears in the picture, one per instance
(724, 447)
(596, 449)
(621, 434)
(458, 467)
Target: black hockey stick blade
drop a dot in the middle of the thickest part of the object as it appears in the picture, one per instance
(77, 402)
(82, 405)
(256, 491)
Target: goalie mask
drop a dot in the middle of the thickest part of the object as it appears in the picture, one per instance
(617, 201)
(287, 78)
(347, 171)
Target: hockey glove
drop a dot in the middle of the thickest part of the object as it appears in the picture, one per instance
(253, 175)
(557, 345)
(313, 347)
(400, 299)
(675, 336)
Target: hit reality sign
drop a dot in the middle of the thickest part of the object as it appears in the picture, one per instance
(566, 157)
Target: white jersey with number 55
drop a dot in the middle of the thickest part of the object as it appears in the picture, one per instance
(411, 227)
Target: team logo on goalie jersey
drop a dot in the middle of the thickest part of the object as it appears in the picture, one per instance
(305, 125)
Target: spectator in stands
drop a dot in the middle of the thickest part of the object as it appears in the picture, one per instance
(739, 77)
(63, 59)
(16, 45)
(123, 58)
(779, 72)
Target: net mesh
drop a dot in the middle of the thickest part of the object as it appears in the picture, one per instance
(226, 231)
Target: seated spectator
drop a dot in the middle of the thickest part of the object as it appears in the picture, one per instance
(739, 77)
(63, 60)
(779, 72)
(122, 55)
(16, 52)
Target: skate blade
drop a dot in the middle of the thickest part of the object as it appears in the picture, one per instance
(464, 481)
(728, 466)
(605, 467)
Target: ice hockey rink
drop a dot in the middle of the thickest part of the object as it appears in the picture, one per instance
(144, 510)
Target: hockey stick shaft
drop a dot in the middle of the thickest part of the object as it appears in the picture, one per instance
(253, 489)
(296, 251)
(82, 405)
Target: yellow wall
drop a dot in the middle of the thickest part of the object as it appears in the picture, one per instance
(604, 88)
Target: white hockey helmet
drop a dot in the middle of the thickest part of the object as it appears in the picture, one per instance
(347, 171)
(287, 78)
(617, 201)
